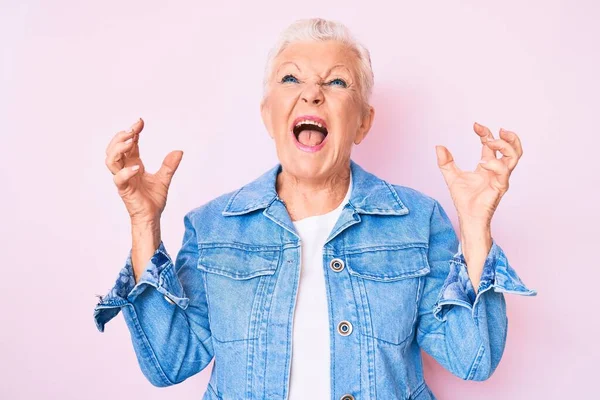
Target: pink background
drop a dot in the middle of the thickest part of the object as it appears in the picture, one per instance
(74, 74)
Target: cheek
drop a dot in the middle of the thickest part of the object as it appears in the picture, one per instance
(346, 108)
(345, 102)
(282, 104)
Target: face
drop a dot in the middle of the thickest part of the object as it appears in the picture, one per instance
(313, 108)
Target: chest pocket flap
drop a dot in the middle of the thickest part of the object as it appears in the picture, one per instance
(389, 264)
(238, 262)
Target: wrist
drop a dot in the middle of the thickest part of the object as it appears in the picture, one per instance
(476, 241)
(145, 233)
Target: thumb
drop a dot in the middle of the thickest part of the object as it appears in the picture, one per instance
(446, 164)
(169, 166)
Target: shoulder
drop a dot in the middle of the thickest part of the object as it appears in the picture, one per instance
(413, 198)
(212, 208)
(422, 206)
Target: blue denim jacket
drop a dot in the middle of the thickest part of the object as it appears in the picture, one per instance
(396, 283)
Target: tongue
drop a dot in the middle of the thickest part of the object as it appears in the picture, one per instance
(311, 138)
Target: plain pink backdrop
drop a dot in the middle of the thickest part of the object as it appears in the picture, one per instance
(73, 74)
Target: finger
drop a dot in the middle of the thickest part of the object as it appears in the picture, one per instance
(134, 130)
(115, 160)
(169, 166)
(446, 164)
(509, 154)
(500, 171)
(120, 136)
(122, 177)
(484, 135)
(513, 139)
(134, 152)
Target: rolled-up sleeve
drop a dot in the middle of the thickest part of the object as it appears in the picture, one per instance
(125, 290)
(463, 330)
(166, 312)
(497, 275)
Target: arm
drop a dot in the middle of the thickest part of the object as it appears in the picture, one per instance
(145, 242)
(463, 330)
(165, 311)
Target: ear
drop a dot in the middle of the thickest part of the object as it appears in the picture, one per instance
(266, 115)
(365, 124)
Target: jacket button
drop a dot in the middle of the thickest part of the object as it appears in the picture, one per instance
(336, 264)
(168, 299)
(344, 328)
(347, 397)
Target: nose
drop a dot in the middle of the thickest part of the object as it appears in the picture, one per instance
(313, 95)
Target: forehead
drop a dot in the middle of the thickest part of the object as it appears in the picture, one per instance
(317, 56)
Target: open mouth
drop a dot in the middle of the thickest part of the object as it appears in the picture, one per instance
(310, 131)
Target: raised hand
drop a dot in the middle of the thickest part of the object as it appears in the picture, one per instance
(144, 194)
(476, 194)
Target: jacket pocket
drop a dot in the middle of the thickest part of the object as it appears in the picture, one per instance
(236, 277)
(390, 281)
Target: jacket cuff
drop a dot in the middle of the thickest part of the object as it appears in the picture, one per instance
(458, 289)
(159, 273)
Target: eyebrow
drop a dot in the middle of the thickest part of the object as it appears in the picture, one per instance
(287, 62)
(299, 69)
(339, 66)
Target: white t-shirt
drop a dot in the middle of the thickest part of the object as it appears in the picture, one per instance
(310, 375)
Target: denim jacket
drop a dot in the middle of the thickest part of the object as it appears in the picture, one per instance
(396, 283)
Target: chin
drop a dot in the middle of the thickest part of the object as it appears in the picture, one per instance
(305, 167)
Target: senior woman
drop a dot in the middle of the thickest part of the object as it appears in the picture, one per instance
(317, 280)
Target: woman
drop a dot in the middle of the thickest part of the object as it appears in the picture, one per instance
(362, 274)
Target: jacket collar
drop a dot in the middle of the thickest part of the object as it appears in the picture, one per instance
(369, 195)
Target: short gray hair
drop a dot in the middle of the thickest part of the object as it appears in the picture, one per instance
(319, 29)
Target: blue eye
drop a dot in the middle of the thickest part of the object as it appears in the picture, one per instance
(289, 78)
(338, 82)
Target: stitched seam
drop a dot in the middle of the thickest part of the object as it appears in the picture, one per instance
(233, 340)
(213, 391)
(253, 326)
(385, 341)
(232, 198)
(266, 339)
(394, 193)
(148, 347)
(476, 362)
(369, 321)
(332, 342)
(360, 250)
(239, 245)
(360, 341)
(385, 278)
(289, 346)
(418, 390)
(221, 272)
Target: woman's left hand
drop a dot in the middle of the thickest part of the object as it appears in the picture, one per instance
(476, 194)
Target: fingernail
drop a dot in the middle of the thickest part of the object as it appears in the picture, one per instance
(132, 126)
(135, 167)
(129, 140)
(502, 130)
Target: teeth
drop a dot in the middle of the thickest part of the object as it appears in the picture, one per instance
(307, 121)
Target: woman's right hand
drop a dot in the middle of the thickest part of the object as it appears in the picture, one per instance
(144, 194)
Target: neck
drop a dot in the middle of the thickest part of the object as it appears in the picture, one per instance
(308, 197)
